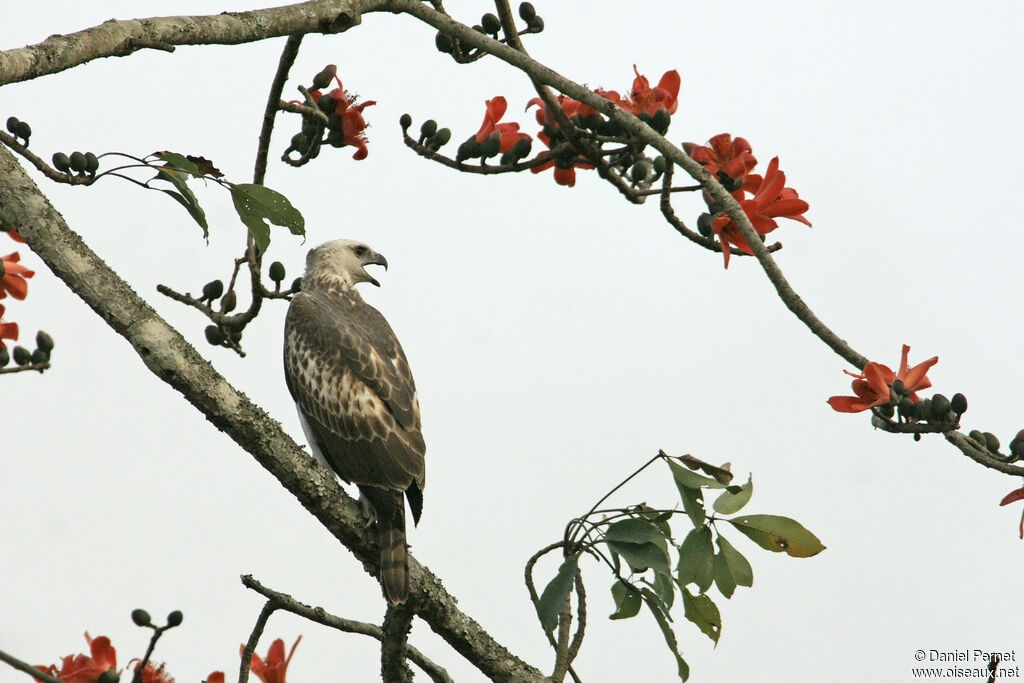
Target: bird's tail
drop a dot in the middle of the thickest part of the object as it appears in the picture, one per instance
(394, 558)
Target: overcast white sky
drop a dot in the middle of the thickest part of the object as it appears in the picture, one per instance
(559, 337)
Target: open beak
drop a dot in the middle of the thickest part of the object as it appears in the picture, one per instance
(378, 260)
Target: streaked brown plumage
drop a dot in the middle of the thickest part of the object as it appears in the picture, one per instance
(356, 396)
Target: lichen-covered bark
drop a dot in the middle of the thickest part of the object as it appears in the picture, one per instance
(171, 358)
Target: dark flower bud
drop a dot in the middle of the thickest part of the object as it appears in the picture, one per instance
(213, 290)
(659, 164)
(92, 163)
(479, 29)
(978, 436)
(228, 303)
(526, 11)
(335, 121)
(443, 42)
(324, 78)
(12, 125)
(24, 131)
(522, 148)
(299, 143)
(297, 285)
(1017, 445)
(507, 158)
(940, 406)
(958, 404)
(336, 138)
(923, 409)
(467, 150)
(535, 24)
(109, 676)
(141, 617)
(5, 357)
(428, 128)
(441, 138)
(641, 170)
(40, 356)
(661, 120)
(327, 104)
(214, 335)
(490, 23)
(22, 356)
(61, 162)
(277, 271)
(405, 121)
(175, 618)
(78, 162)
(906, 406)
(887, 411)
(314, 148)
(490, 146)
(992, 442)
(899, 387)
(704, 225)
(730, 184)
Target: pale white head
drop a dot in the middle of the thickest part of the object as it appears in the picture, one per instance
(342, 261)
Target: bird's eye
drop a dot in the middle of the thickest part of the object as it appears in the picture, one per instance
(360, 250)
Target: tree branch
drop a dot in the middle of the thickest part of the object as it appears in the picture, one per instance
(171, 358)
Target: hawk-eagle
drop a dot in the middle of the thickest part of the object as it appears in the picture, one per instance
(356, 397)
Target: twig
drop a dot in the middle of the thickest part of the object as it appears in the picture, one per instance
(25, 368)
(51, 173)
(581, 621)
(288, 55)
(562, 647)
(396, 627)
(254, 638)
(483, 169)
(984, 457)
(317, 614)
(27, 668)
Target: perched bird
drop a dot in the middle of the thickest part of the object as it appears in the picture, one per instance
(356, 397)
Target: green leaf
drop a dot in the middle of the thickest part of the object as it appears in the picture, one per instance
(660, 616)
(633, 530)
(183, 196)
(665, 588)
(693, 504)
(731, 501)
(179, 162)
(723, 577)
(257, 204)
(703, 612)
(555, 594)
(691, 479)
(778, 534)
(641, 556)
(696, 559)
(732, 561)
(627, 600)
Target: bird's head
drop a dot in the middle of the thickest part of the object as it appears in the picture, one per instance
(344, 261)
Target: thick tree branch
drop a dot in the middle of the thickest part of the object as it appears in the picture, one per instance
(171, 358)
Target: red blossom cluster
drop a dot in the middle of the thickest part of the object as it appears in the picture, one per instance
(12, 281)
(732, 161)
(102, 658)
(349, 127)
(872, 387)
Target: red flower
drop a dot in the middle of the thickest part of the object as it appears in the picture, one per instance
(12, 277)
(1013, 497)
(352, 122)
(272, 670)
(771, 200)
(86, 669)
(871, 388)
(645, 99)
(215, 677)
(723, 154)
(153, 674)
(509, 132)
(7, 330)
(15, 235)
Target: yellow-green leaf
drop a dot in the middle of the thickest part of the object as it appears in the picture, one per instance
(731, 502)
(778, 534)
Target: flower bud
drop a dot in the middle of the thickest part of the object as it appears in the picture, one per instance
(992, 442)
(92, 163)
(141, 617)
(39, 356)
(297, 285)
(22, 356)
(109, 676)
(535, 24)
(24, 131)
(659, 164)
(214, 335)
(490, 23)
(704, 225)
(213, 290)
(441, 138)
(491, 145)
(1017, 445)
(336, 138)
(977, 435)
(175, 618)
(468, 150)
(940, 406)
(277, 271)
(5, 357)
(44, 341)
(299, 143)
(641, 170)
(899, 387)
(326, 104)
(443, 42)
(324, 78)
(78, 162)
(12, 125)
(405, 121)
(228, 303)
(61, 162)
(958, 404)
(661, 120)
(526, 11)
(428, 128)
(522, 148)
(888, 410)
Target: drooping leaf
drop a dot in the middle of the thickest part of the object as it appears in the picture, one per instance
(634, 530)
(685, 477)
(627, 600)
(703, 612)
(653, 603)
(178, 162)
(723, 577)
(665, 587)
(641, 556)
(555, 594)
(696, 559)
(693, 505)
(731, 502)
(737, 564)
(257, 204)
(183, 196)
(778, 534)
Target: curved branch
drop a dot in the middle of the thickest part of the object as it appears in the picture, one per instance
(171, 358)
